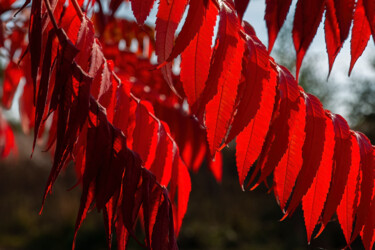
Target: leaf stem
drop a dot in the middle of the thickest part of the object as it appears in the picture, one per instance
(50, 14)
(78, 9)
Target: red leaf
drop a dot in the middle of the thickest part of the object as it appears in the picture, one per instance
(195, 59)
(180, 186)
(369, 7)
(226, 58)
(342, 163)
(368, 231)
(317, 129)
(289, 166)
(367, 185)
(360, 34)
(305, 26)
(216, 167)
(35, 37)
(332, 33)
(43, 85)
(162, 165)
(281, 125)
(241, 6)
(141, 9)
(223, 80)
(12, 77)
(85, 42)
(195, 17)
(313, 201)
(251, 139)
(259, 78)
(276, 12)
(169, 15)
(145, 137)
(162, 235)
(345, 210)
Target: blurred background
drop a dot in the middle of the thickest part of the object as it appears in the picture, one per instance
(219, 216)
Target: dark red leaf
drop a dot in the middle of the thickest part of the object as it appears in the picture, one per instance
(141, 9)
(241, 6)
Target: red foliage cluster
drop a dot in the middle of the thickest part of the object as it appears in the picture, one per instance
(130, 136)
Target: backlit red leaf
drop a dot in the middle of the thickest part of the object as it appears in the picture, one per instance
(313, 201)
(360, 34)
(276, 12)
(305, 26)
(195, 59)
(345, 210)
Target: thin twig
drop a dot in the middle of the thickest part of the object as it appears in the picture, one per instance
(78, 9)
(50, 14)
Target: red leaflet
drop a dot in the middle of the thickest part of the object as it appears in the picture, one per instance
(281, 124)
(165, 148)
(12, 77)
(108, 88)
(342, 162)
(43, 85)
(109, 177)
(259, 78)
(276, 12)
(141, 9)
(196, 15)
(168, 17)
(313, 149)
(367, 184)
(180, 186)
(289, 166)
(162, 234)
(85, 41)
(339, 17)
(251, 139)
(332, 33)
(145, 136)
(122, 108)
(195, 59)
(305, 26)
(360, 34)
(368, 231)
(241, 6)
(226, 56)
(369, 7)
(223, 79)
(344, 13)
(345, 210)
(313, 201)
(216, 166)
(35, 37)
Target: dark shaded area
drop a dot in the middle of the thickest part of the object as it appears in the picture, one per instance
(220, 216)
